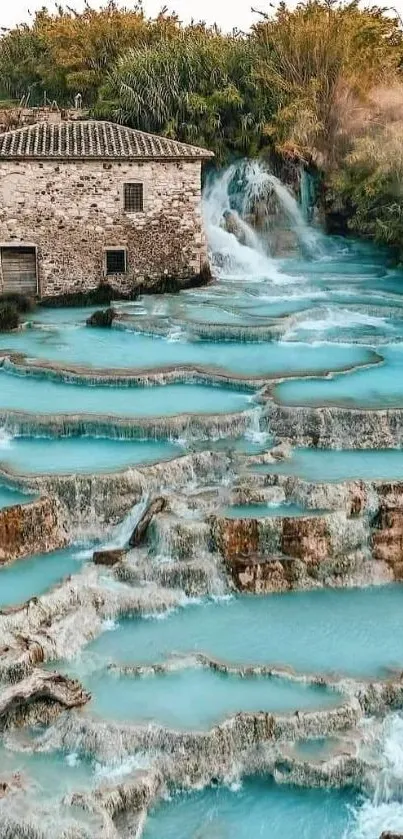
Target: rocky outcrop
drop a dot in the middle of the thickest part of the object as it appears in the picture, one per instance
(204, 753)
(261, 575)
(307, 539)
(60, 622)
(40, 690)
(236, 537)
(140, 531)
(36, 527)
(109, 557)
(387, 534)
(101, 318)
(274, 553)
(333, 427)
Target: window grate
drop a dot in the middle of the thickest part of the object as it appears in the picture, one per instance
(116, 262)
(133, 198)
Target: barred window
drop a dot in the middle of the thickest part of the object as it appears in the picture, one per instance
(115, 261)
(133, 198)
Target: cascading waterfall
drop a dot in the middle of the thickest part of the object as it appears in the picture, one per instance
(237, 249)
(121, 533)
(383, 747)
(5, 440)
(233, 254)
(307, 194)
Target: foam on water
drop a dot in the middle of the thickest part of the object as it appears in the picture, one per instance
(232, 257)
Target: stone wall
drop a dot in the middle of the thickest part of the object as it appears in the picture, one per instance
(72, 211)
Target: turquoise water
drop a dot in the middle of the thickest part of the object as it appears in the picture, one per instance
(324, 630)
(256, 511)
(46, 397)
(197, 699)
(382, 387)
(357, 632)
(34, 575)
(10, 496)
(258, 809)
(50, 774)
(117, 348)
(338, 465)
(81, 454)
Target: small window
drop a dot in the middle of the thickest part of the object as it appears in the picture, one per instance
(133, 198)
(116, 262)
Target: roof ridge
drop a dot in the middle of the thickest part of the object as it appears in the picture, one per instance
(42, 140)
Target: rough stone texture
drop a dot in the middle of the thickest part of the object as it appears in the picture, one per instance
(280, 553)
(108, 557)
(140, 531)
(259, 575)
(334, 427)
(387, 539)
(32, 528)
(307, 539)
(102, 317)
(236, 537)
(40, 687)
(73, 210)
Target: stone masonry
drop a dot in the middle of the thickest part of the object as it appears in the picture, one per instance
(72, 210)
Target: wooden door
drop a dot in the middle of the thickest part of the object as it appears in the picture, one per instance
(19, 270)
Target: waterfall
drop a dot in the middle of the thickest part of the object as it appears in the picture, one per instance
(122, 532)
(306, 235)
(236, 252)
(5, 439)
(229, 201)
(382, 747)
(307, 194)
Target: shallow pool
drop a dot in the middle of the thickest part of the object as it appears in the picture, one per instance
(41, 396)
(81, 454)
(10, 496)
(115, 348)
(380, 387)
(324, 630)
(34, 575)
(339, 465)
(257, 511)
(258, 809)
(196, 698)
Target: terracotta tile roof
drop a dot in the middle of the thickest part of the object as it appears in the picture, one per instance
(92, 139)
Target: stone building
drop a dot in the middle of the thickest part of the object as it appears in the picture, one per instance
(82, 202)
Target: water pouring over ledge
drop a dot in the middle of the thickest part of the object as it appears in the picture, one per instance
(242, 193)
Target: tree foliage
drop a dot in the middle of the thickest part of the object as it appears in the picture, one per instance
(195, 85)
(301, 84)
